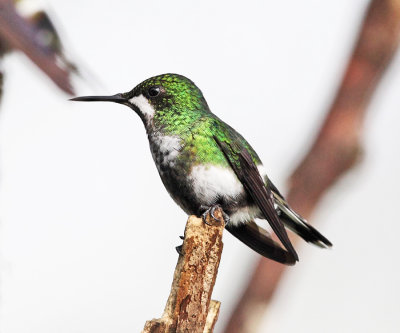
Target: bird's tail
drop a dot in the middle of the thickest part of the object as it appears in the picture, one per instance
(259, 240)
(296, 223)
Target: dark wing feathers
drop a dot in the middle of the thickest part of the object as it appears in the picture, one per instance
(245, 169)
(306, 231)
(296, 223)
(254, 185)
(257, 239)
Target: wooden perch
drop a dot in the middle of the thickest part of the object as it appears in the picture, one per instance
(336, 148)
(189, 307)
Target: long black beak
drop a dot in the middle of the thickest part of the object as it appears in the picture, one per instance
(118, 98)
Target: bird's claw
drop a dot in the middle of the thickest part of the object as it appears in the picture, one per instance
(226, 217)
(211, 211)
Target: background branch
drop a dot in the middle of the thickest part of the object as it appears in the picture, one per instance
(18, 33)
(336, 148)
(189, 307)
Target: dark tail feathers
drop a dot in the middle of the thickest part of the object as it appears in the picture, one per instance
(258, 239)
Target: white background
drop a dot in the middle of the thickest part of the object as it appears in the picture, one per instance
(87, 231)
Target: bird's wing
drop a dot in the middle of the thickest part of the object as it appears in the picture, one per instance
(245, 169)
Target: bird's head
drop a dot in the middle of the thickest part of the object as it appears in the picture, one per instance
(160, 100)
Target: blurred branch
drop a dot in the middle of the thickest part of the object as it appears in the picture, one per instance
(336, 148)
(18, 33)
(189, 308)
(1, 84)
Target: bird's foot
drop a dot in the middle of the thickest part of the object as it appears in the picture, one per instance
(226, 217)
(211, 211)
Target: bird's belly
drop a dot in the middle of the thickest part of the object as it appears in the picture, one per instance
(215, 184)
(244, 214)
(212, 184)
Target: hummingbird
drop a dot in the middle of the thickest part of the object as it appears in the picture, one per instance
(204, 164)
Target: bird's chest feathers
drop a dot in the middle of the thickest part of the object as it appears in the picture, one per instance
(165, 149)
(213, 182)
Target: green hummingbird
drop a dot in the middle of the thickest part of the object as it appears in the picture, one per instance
(204, 163)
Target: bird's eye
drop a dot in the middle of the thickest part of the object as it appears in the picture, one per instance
(154, 91)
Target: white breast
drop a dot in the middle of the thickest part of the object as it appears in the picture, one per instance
(210, 182)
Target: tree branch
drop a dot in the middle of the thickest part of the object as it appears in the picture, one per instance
(189, 307)
(336, 148)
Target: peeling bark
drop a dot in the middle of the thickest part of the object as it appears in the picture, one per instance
(189, 307)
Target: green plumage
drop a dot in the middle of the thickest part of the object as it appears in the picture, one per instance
(183, 111)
